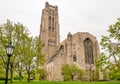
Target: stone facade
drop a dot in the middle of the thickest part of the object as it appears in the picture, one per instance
(49, 30)
(80, 48)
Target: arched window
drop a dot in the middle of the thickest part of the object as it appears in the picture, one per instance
(74, 58)
(49, 26)
(88, 51)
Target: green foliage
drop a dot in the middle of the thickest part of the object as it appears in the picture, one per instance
(110, 59)
(80, 74)
(2, 71)
(98, 67)
(16, 77)
(69, 72)
(7, 34)
(114, 73)
(58, 82)
(2, 74)
(40, 59)
(66, 72)
(41, 73)
(27, 54)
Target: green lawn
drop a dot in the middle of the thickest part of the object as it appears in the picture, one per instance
(46, 82)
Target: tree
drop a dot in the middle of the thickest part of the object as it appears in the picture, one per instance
(80, 74)
(66, 72)
(40, 58)
(29, 57)
(20, 37)
(27, 54)
(41, 73)
(111, 45)
(71, 72)
(34, 56)
(14, 32)
(6, 34)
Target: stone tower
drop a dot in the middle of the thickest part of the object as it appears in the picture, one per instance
(49, 30)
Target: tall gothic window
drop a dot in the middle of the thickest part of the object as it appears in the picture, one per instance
(88, 51)
(49, 20)
(49, 26)
(53, 24)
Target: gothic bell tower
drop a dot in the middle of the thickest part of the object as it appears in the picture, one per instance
(49, 30)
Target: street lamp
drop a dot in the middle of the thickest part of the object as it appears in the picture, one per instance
(9, 52)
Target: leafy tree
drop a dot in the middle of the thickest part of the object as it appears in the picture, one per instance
(34, 56)
(80, 74)
(101, 65)
(29, 57)
(111, 45)
(6, 34)
(19, 42)
(41, 73)
(66, 72)
(71, 71)
(27, 54)
(40, 58)
(15, 33)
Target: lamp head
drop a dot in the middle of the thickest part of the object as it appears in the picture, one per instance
(9, 49)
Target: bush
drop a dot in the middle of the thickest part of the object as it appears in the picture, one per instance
(16, 77)
(72, 72)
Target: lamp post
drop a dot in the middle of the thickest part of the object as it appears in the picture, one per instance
(9, 52)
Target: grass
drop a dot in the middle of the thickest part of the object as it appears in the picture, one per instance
(56, 82)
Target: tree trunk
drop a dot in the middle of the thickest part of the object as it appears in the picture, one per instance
(72, 77)
(28, 76)
(20, 72)
(20, 76)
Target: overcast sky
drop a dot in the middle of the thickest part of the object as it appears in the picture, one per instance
(93, 16)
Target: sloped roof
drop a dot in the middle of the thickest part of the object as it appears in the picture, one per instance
(55, 55)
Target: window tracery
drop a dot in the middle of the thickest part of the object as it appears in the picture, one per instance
(88, 51)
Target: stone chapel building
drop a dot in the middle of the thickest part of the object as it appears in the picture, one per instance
(80, 48)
